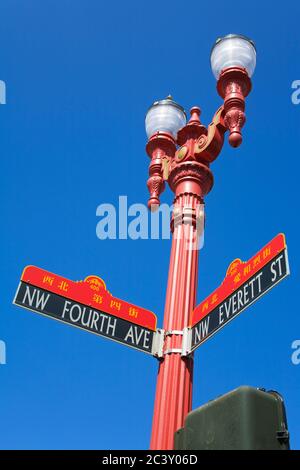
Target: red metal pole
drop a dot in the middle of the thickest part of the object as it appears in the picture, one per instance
(190, 178)
(175, 377)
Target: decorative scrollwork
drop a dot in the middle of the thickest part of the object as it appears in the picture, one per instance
(208, 146)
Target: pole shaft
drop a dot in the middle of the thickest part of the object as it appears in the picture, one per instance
(175, 376)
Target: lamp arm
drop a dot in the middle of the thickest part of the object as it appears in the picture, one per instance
(208, 146)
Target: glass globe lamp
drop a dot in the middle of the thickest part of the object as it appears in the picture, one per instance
(233, 50)
(165, 116)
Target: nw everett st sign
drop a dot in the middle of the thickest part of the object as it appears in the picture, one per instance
(87, 305)
(244, 284)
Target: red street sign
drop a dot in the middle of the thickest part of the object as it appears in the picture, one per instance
(92, 292)
(244, 283)
(87, 305)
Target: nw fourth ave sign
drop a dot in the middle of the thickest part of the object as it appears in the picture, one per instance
(81, 307)
(262, 272)
(79, 315)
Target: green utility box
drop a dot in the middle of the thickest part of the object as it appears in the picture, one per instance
(245, 419)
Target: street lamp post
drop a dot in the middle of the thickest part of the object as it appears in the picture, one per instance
(181, 154)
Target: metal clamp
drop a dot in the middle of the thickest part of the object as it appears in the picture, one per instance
(174, 332)
(159, 339)
(158, 343)
(173, 350)
(186, 342)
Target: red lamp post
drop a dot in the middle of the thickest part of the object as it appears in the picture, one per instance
(181, 154)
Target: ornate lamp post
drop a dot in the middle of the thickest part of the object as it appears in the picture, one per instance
(181, 154)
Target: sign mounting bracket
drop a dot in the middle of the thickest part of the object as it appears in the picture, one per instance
(186, 342)
(158, 343)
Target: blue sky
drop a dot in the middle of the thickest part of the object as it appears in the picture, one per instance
(80, 76)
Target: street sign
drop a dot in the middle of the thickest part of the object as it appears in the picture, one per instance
(87, 305)
(245, 282)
